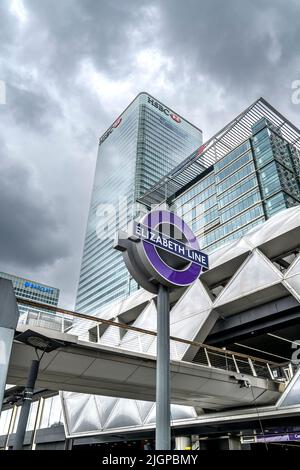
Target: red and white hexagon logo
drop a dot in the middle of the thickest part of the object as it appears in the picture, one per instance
(117, 122)
(175, 118)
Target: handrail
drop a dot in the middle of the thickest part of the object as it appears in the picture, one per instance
(124, 326)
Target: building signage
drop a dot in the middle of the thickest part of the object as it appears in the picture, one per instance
(292, 436)
(152, 256)
(171, 245)
(201, 149)
(110, 130)
(160, 252)
(156, 105)
(164, 110)
(46, 290)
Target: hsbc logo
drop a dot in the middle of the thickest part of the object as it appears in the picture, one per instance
(117, 122)
(110, 130)
(201, 149)
(175, 118)
(164, 110)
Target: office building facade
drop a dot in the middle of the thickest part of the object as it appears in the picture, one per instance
(30, 290)
(145, 142)
(242, 189)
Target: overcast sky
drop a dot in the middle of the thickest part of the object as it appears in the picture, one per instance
(71, 66)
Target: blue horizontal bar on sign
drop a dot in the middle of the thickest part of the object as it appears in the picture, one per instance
(177, 248)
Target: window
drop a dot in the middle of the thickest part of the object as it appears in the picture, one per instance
(235, 178)
(275, 204)
(241, 205)
(232, 156)
(269, 180)
(237, 191)
(233, 167)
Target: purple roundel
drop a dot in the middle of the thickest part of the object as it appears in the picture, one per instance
(178, 277)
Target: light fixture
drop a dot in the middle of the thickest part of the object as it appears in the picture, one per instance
(39, 341)
(46, 345)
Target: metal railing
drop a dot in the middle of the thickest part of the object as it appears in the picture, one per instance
(129, 337)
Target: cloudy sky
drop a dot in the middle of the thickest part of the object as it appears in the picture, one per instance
(71, 66)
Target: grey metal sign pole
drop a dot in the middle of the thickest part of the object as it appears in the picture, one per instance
(163, 413)
(152, 257)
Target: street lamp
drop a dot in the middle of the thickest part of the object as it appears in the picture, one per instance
(44, 344)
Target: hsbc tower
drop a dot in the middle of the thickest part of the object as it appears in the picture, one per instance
(143, 144)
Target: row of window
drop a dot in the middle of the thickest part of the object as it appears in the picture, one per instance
(197, 188)
(233, 167)
(184, 130)
(206, 219)
(166, 133)
(233, 236)
(235, 178)
(278, 202)
(106, 272)
(100, 279)
(232, 225)
(26, 295)
(275, 204)
(242, 204)
(201, 197)
(232, 156)
(39, 293)
(269, 179)
(237, 191)
(93, 254)
(104, 298)
(282, 152)
(193, 205)
(262, 147)
(288, 181)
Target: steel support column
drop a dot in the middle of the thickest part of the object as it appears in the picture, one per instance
(21, 429)
(163, 414)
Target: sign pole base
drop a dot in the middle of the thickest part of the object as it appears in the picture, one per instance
(163, 412)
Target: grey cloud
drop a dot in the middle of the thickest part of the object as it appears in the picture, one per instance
(234, 42)
(8, 27)
(32, 231)
(242, 49)
(33, 109)
(54, 42)
(76, 29)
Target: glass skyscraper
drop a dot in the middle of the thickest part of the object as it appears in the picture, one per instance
(257, 179)
(144, 143)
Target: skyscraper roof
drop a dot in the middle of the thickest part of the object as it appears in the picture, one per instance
(223, 142)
